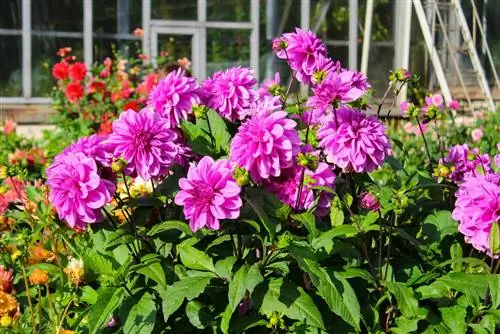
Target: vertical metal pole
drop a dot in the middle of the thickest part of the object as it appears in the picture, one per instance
(254, 38)
(402, 59)
(87, 33)
(353, 35)
(26, 35)
(146, 27)
(202, 33)
(305, 14)
(434, 56)
(367, 36)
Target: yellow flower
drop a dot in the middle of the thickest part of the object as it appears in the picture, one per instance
(66, 331)
(39, 277)
(75, 271)
(6, 321)
(8, 303)
(15, 254)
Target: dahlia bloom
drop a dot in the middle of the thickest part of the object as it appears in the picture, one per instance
(476, 134)
(74, 92)
(322, 67)
(477, 208)
(77, 71)
(6, 279)
(265, 144)
(360, 143)
(230, 92)
(465, 162)
(209, 194)
(174, 96)
(144, 140)
(60, 70)
(369, 201)
(341, 87)
(302, 49)
(77, 190)
(287, 187)
(93, 147)
(14, 191)
(270, 87)
(454, 105)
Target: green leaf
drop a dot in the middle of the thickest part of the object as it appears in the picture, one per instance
(269, 225)
(407, 302)
(495, 238)
(153, 271)
(198, 314)
(141, 318)
(395, 164)
(245, 279)
(326, 238)
(437, 226)
(199, 140)
(454, 318)
(109, 300)
(219, 131)
(170, 225)
(89, 295)
(282, 296)
(188, 288)
(494, 287)
(195, 259)
(224, 267)
(309, 221)
(457, 254)
(336, 212)
(99, 263)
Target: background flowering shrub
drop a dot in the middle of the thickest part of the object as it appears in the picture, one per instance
(221, 206)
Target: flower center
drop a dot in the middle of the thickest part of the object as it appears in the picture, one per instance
(143, 140)
(204, 193)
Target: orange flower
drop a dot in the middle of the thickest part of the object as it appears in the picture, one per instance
(39, 277)
(38, 253)
(8, 303)
(138, 32)
(66, 331)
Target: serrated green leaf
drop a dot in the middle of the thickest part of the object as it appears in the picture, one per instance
(454, 318)
(224, 267)
(407, 302)
(141, 318)
(198, 314)
(438, 225)
(195, 259)
(336, 212)
(89, 295)
(325, 239)
(309, 221)
(109, 300)
(170, 225)
(198, 140)
(153, 271)
(99, 263)
(219, 131)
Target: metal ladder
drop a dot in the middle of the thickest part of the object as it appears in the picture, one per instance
(429, 33)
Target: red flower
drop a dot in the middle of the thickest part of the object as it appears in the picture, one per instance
(96, 87)
(74, 91)
(63, 51)
(77, 71)
(131, 105)
(60, 70)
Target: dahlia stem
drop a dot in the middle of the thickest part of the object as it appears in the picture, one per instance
(32, 314)
(49, 300)
(497, 267)
(440, 143)
(383, 98)
(132, 220)
(381, 237)
(395, 98)
(389, 245)
(293, 80)
(112, 222)
(210, 130)
(425, 141)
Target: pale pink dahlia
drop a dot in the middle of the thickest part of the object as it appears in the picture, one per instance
(360, 143)
(77, 190)
(477, 208)
(230, 92)
(174, 97)
(301, 51)
(144, 140)
(265, 144)
(209, 194)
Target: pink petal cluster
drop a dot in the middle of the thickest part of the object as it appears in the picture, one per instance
(477, 208)
(230, 92)
(174, 97)
(342, 87)
(15, 192)
(6, 279)
(145, 141)
(302, 50)
(265, 144)
(77, 190)
(287, 187)
(209, 194)
(359, 144)
(465, 162)
(92, 146)
(269, 85)
(369, 201)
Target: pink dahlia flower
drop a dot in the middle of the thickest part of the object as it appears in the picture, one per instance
(270, 86)
(230, 92)
(302, 50)
(454, 105)
(322, 67)
(465, 162)
(144, 140)
(77, 190)
(477, 208)
(93, 147)
(6, 279)
(360, 143)
(174, 96)
(287, 187)
(209, 194)
(477, 134)
(341, 87)
(265, 144)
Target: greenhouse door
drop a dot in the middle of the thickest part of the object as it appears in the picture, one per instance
(177, 42)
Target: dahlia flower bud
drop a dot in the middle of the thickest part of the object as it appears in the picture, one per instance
(279, 44)
(39, 277)
(119, 165)
(308, 160)
(199, 111)
(241, 176)
(369, 201)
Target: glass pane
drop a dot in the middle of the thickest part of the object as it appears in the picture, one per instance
(60, 15)
(10, 66)
(174, 9)
(10, 14)
(380, 62)
(335, 23)
(106, 47)
(226, 48)
(228, 10)
(44, 57)
(172, 47)
(117, 16)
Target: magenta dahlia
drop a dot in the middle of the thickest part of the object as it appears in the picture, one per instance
(93, 147)
(465, 162)
(301, 51)
(174, 97)
(77, 189)
(144, 140)
(209, 194)
(477, 208)
(265, 144)
(360, 143)
(230, 92)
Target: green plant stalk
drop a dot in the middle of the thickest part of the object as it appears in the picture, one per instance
(440, 143)
(383, 99)
(132, 220)
(392, 224)
(395, 98)
(30, 304)
(49, 301)
(425, 142)
(210, 130)
(381, 236)
(112, 222)
(63, 316)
